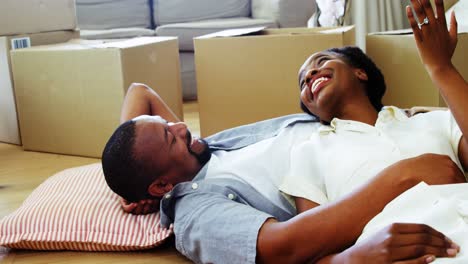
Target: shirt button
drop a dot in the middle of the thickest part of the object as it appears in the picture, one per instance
(231, 196)
(167, 196)
(194, 185)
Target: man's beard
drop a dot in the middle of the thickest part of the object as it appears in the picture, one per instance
(202, 157)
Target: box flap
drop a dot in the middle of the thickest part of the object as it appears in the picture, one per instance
(336, 30)
(462, 29)
(406, 31)
(276, 31)
(233, 32)
(81, 44)
(140, 41)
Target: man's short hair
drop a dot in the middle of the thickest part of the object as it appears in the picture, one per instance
(356, 58)
(124, 174)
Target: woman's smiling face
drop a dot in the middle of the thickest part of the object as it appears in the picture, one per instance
(327, 81)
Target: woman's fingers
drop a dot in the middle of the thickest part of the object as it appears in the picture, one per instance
(421, 260)
(418, 8)
(414, 24)
(406, 228)
(414, 251)
(428, 11)
(453, 31)
(440, 9)
(422, 239)
(415, 240)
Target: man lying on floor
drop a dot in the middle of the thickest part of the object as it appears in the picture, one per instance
(222, 193)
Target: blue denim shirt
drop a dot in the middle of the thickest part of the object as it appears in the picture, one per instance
(218, 220)
(242, 136)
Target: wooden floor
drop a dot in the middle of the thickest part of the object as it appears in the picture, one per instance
(22, 171)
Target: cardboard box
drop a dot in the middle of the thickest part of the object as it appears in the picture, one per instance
(245, 76)
(26, 16)
(9, 130)
(408, 83)
(70, 95)
(447, 4)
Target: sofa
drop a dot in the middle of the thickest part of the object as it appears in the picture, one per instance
(186, 19)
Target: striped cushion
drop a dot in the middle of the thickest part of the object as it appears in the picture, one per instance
(75, 210)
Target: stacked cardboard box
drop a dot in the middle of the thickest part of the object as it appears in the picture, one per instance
(26, 16)
(9, 129)
(69, 95)
(26, 23)
(408, 83)
(247, 76)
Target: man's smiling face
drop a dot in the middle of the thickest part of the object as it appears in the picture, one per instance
(170, 147)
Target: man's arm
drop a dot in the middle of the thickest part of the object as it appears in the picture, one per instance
(436, 46)
(142, 100)
(332, 228)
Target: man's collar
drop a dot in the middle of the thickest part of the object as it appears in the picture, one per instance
(202, 173)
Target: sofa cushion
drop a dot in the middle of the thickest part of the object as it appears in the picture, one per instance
(266, 9)
(286, 13)
(116, 33)
(179, 11)
(107, 14)
(187, 31)
(187, 74)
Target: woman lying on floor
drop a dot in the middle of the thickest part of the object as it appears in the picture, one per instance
(358, 138)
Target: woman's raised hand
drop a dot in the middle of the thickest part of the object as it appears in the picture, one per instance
(436, 43)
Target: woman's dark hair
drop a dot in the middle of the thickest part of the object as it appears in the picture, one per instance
(124, 174)
(356, 58)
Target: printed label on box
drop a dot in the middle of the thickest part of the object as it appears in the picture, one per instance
(20, 43)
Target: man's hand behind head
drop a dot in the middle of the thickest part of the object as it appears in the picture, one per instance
(140, 208)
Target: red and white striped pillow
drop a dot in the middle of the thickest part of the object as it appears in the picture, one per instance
(76, 210)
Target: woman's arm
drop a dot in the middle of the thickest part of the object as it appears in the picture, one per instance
(436, 45)
(331, 228)
(303, 204)
(401, 243)
(142, 100)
